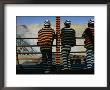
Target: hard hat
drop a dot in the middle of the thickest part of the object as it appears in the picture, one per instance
(67, 22)
(91, 21)
(47, 22)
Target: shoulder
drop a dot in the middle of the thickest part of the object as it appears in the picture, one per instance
(86, 30)
(68, 29)
(41, 30)
(51, 30)
(89, 30)
(72, 29)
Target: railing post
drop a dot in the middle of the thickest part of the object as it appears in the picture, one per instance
(17, 56)
(58, 40)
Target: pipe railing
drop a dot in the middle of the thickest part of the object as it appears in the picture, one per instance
(39, 46)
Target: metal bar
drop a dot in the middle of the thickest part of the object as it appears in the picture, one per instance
(37, 38)
(26, 38)
(17, 59)
(40, 52)
(39, 45)
(29, 59)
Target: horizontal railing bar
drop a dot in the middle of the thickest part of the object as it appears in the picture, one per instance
(40, 52)
(37, 38)
(26, 38)
(39, 45)
(27, 58)
(31, 59)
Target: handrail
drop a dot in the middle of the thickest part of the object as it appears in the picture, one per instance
(40, 45)
(17, 53)
(40, 52)
(37, 38)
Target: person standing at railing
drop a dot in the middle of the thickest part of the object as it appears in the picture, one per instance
(45, 40)
(68, 40)
(89, 44)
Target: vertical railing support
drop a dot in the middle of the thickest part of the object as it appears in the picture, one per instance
(57, 40)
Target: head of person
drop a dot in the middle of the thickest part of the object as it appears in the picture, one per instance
(47, 23)
(91, 23)
(67, 23)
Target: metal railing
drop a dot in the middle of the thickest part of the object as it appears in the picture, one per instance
(17, 53)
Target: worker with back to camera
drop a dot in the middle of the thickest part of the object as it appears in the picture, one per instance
(68, 40)
(89, 44)
(45, 40)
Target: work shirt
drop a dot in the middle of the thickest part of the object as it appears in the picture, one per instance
(68, 36)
